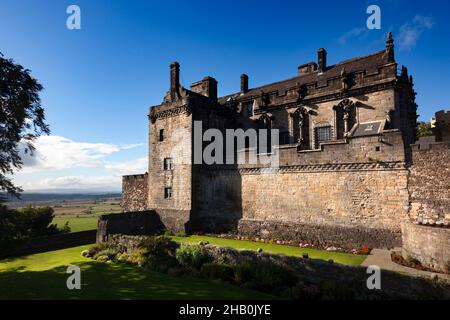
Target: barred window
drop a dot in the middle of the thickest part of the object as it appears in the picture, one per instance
(323, 134)
(168, 193)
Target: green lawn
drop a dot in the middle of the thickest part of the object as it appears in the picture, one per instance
(343, 258)
(43, 276)
(76, 224)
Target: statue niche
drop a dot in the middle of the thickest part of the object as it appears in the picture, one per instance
(301, 118)
(345, 118)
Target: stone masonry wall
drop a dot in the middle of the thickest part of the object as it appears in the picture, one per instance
(429, 185)
(177, 145)
(375, 202)
(430, 245)
(135, 192)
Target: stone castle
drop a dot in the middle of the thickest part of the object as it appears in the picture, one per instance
(347, 173)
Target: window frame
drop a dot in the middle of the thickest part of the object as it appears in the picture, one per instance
(168, 193)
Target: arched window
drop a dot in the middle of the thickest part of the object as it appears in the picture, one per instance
(301, 120)
(345, 118)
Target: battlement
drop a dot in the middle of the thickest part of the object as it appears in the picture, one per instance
(135, 177)
(435, 146)
(443, 116)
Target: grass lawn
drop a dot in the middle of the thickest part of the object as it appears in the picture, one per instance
(76, 224)
(343, 258)
(43, 276)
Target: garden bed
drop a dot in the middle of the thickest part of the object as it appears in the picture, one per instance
(284, 276)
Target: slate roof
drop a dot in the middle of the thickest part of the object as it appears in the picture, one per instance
(368, 64)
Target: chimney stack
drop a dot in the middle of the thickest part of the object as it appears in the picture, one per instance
(210, 85)
(244, 83)
(174, 79)
(206, 87)
(322, 59)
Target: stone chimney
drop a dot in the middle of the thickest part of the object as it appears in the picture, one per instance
(244, 83)
(210, 85)
(390, 56)
(174, 80)
(322, 59)
(207, 87)
(307, 68)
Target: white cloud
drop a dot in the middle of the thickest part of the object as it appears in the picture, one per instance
(61, 164)
(354, 33)
(410, 32)
(56, 153)
(75, 183)
(137, 166)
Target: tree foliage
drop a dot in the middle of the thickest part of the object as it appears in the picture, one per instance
(29, 222)
(424, 129)
(22, 119)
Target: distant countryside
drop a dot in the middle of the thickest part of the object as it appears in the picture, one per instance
(81, 212)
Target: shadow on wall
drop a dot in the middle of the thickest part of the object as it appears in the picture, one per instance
(217, 199)
(130, 223)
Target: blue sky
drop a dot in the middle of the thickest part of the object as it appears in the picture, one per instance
(99, 81)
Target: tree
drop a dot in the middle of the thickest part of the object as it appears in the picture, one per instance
(22, 119)
(424, 129)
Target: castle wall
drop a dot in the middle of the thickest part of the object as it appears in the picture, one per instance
(341, 202)
(134, 192)
(429, 245)
(346, 193)
(177, 145)
(429, 185)
(218, 200)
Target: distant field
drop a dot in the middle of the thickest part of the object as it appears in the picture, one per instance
(83, 216)
(78, 224)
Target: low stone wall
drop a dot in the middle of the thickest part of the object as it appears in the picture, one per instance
(429, 245)
(174, 220)
(44, 244)
(321, 235)
(131, 223)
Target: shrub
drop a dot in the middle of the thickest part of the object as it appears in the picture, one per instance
(110, 253)
(265, 276)
(331, 290)
(158, 246)
(137, 257)
(96, 248)
(65, 228)
(192, 256)
(413, 262)
(243, 273)
(161, 263)
(217, 271)
(122, 257)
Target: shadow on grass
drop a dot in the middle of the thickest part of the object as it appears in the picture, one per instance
(114, 281)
